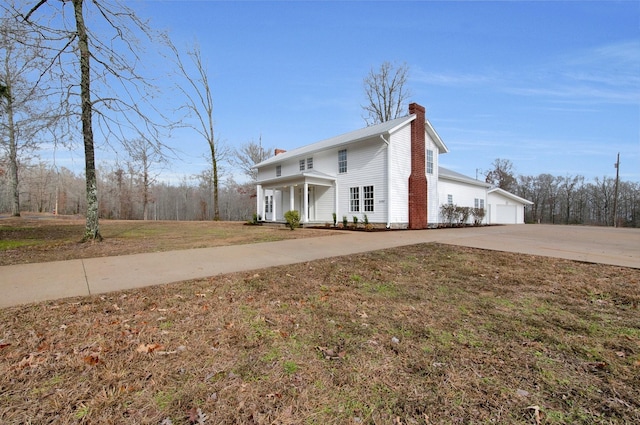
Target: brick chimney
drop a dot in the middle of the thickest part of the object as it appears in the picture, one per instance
(279, 151)
(418, 177)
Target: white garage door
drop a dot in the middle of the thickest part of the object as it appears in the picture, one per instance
(507, 214)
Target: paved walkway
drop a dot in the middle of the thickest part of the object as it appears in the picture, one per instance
(27, 283)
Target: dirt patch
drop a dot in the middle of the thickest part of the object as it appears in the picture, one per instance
(36, 240)
(425, 334)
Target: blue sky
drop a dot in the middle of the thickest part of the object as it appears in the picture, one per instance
(552, 86)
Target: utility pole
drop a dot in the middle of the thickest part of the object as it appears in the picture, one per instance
(615, 192)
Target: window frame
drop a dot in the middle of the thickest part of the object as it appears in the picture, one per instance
(449, 199)
(429, 161)
(354, 199)
(310, 163)
(368, 202)
(342, 161)
(278, 170)
(302, 163)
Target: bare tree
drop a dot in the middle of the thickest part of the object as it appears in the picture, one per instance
(24, 110)
(199, 103)
(118, 98)
(386, 92)
(502, 175)
(143, 156)
(248, 155)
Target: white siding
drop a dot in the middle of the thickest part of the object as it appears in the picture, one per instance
(464, 194)
(401, 169)
(433, 203)
(366, 166)
(324, 198)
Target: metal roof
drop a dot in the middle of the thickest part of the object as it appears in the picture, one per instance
(341, 140)
(453, 175)
(510, 195)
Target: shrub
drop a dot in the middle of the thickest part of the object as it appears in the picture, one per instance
(355, 221)
(255, 220)
(478, 216)
(463, 214)
(448, 213)
(293, 219)
(365, 220)
(344, 221)
(334, 219)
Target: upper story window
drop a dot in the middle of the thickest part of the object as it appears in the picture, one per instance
(429, 161)
(450, 199)
(342, 161)
(278, 170)
(306, 163)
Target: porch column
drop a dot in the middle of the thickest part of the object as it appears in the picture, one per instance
(292, 198)
(335, 205)
(306, 203)
(259, 201)
(273, 204)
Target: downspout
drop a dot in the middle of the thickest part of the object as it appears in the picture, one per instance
(388, 180)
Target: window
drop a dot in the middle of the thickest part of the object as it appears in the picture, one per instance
(354, 199)
(367, 194)
(429, 161)
(450, 199)
(342, 161)
(478, 203)
(309, 163)
(482, 203)
(278, 170)
(302, 165)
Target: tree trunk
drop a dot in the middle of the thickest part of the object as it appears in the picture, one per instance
(13, 146)
(214, 163)
(92, 229)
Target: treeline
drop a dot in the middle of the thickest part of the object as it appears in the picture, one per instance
(557, 199)
(124, 194)
(573, 200)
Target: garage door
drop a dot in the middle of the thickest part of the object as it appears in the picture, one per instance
(506, 214)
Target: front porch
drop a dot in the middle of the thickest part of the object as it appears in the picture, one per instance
(312, 194)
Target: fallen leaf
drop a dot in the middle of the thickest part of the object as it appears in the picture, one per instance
(621, 354)
(91, 359)
(148, 348)
(4, 345)
(30, 361)
(536, 413)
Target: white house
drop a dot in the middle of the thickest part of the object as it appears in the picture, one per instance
(388, 172)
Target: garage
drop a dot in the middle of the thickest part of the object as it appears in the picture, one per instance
(505, 207)
(507, 214)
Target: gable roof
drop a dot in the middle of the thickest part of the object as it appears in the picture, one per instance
(353, 137)
(453, 175)
(510, 195)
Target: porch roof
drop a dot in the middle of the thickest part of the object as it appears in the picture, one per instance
(308, 176)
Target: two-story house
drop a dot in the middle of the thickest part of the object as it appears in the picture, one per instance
(388, 172)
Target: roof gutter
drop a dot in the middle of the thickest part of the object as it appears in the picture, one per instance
(388, 180)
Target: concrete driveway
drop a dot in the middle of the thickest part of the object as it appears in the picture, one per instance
(606, 245)
(48, 281)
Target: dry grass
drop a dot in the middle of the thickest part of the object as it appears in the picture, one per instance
(36, 240)
(422, 334)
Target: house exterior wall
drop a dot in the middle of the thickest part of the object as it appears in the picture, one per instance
(464, 195)
(401, 169)
(366, 166)
(432, 183)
